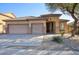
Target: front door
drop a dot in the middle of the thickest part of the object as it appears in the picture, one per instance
(50, 27)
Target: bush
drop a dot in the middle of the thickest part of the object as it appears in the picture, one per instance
(62, 32)
(58, 39)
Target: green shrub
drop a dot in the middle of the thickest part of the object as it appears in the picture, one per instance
(58, 39)
(62, 32)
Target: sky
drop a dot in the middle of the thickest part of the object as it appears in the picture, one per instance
(21, 9)
(28, 9)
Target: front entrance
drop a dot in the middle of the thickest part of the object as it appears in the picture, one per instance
(50, 27)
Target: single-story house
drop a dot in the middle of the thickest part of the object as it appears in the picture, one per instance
(5, 16)
(43, 24)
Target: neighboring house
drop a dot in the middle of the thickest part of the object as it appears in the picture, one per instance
(44, 24)
(5, 17)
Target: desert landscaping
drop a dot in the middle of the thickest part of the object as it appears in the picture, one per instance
(37, 45)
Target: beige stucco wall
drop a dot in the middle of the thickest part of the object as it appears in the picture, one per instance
(3, 24)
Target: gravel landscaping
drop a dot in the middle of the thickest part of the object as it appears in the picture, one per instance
(44, 46)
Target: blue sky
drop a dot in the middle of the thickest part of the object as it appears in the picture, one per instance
(27, 9)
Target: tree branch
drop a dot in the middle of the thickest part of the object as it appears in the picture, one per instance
(68, 10)
(74, 6)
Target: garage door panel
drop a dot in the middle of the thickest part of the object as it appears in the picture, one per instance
(18, 29)
(37, 28)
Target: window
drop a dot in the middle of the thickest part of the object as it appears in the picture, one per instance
(62, 26)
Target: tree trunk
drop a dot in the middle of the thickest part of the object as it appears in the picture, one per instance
(74, 25)
(74, 28)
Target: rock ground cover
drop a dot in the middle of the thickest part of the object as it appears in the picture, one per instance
(47, 47)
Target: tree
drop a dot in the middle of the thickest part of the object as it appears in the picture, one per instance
(67, 8)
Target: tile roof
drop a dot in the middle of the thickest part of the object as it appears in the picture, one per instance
(44, 15)
(41, 17)
(26, 18)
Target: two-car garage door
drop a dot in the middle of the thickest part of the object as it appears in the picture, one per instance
(24, 29)
(18, 29)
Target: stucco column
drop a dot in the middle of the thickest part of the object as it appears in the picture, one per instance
(7, 28)
(57, 27)
(30, 28)
(44, 30)
(66, 27)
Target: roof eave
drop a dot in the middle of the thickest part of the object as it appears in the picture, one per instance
(58, 15)
(23, 20)
(64, 20)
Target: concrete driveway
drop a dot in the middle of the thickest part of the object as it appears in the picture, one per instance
(45, 48)
(16, 36)
(24, 40)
